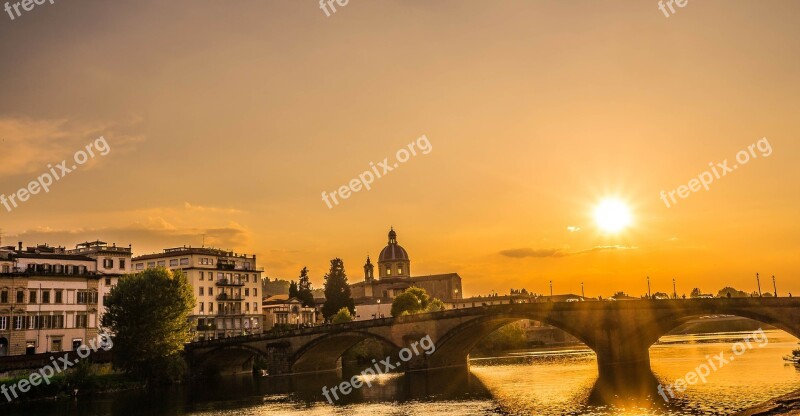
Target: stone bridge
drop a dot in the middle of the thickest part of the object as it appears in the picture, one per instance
(620, 333)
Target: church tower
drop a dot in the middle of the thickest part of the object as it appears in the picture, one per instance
(393, 260)
(369, 275)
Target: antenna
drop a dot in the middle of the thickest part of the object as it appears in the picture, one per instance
(204, 241)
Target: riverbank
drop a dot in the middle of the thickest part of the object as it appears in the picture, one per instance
(784, 405)
(64, 386)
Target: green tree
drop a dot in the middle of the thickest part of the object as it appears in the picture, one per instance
(337, 291)
(415, 300)
(148, 312)
(304, 291)
(509, 337)
(342, 316)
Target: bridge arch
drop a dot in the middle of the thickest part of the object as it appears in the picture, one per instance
(453, 348)
(323, 353)
(227, 359)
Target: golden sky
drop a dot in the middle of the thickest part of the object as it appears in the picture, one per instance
(231, 118)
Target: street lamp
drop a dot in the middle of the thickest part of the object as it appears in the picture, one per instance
(674, 289)
(649, 296)
(379, 308)
(551, 288)
(774, 286)
(583, 294)
(758, 280)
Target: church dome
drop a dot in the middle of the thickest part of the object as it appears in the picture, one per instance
(393, 251)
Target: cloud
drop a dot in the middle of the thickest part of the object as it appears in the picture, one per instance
(212, 210)
(529, 252)
(26, 139)
(573, 228)
(557, 252)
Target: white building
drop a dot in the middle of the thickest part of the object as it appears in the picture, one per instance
(225, 284)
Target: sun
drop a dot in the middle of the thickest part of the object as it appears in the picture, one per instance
(612, 215)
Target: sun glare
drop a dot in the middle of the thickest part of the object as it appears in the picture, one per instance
(612, 215)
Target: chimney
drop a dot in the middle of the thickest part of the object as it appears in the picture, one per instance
(20, 245)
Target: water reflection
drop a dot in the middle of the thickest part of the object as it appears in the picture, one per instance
(538, 383)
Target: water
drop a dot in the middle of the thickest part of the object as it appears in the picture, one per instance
(564, 382)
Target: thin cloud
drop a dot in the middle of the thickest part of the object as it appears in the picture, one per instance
(556, 252)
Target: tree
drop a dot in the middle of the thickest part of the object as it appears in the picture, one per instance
(342, 316)
(293, 292)
(337, 291)
(415, 300)
(723, 293)
(304, 291)
(509, 337)
(695, 293)
(149, 314)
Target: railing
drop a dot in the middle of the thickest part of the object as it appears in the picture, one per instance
(226, 282)
(229, 298)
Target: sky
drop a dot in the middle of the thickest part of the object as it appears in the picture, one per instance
(226, 121)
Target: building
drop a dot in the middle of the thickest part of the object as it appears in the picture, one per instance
(373, 296)
(225, 284)
(112, 263)
(282, 310)
(49, 295)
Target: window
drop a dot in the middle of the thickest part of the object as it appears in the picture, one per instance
(247, 265)
(247, 307)
(4, 296)
(59, 296)
(255, 306)
(18, 322)
(202, 305)
(202, 275)
(211, 306)
(122, 264)
(31, 321)
(388, 272)
(255, 292)
(20, 296)
(210, 291)
(247, 292)
(32, 297)
(81, 321)
(173, 263)
(139, 266)
(108, 263)
(201, 290)
(55, 345)
(185, 262)
(162, 263)
(400, 270)
(108, 281)
(58, 321)
(45, 296)
(151, 264)
(220, 276)
(3, 323)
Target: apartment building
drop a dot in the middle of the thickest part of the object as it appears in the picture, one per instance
(281, 310)
(225, 284)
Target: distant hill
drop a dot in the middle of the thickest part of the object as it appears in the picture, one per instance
(274, 287)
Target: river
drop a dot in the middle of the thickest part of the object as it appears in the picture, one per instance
(562, 382)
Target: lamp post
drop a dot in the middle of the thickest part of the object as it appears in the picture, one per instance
(551, 288)
(674, 289)
(649, 296)
(379, 308)
(758, 280)
(774, 286)
(583, 294)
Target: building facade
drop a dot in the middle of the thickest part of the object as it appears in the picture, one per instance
(226, 286)
(49, 296)
(281, 310)
(373, 296)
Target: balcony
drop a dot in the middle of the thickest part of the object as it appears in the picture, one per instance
(229, 298)
(229, 312)
(231, 282)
